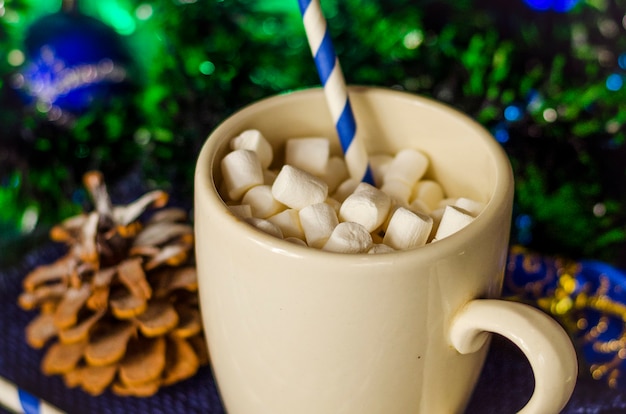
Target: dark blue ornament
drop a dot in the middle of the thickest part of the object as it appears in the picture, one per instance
(560, 6)
(73, 61)
(588, 297)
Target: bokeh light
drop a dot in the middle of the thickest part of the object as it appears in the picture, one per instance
(117, 16)
(614, 82)
(207, 68)
(512, 113)
(15, 57)
(144, 11)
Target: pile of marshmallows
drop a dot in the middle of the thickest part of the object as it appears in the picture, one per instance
(407, 211)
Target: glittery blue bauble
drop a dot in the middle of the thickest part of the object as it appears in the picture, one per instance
(72, 62)
(588, 296)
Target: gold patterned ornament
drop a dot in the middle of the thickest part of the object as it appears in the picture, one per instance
(587, 297)
(120, 309)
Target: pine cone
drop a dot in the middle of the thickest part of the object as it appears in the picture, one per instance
(121, 307)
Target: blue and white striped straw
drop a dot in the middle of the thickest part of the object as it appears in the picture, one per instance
(335, 90)
(19, 401)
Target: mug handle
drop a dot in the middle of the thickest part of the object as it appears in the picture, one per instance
(544, 342)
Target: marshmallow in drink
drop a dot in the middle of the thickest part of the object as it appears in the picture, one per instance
(265, 226)
(253, 140)
(419, 206)
(345, 189)
(336, 205)
(318, 222)
(308, 154)
(452, 220)
(289, 223)
(293, 203)
(297, 188)
(336, 172)
(408, 166)
(379, 163)
(407, 229)
(429, 192)
(349, 237)
(367, 205)
(243, 211)
(295, 240)
(262, 202)
(471, 206)
(448, 201)
(378, 248)
(241, 170)
(437, 213)
(399, 191)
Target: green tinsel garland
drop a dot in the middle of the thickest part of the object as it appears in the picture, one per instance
(199, 61)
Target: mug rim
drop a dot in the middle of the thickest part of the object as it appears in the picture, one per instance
(206, 192)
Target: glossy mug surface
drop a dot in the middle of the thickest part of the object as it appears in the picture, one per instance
(293, 329)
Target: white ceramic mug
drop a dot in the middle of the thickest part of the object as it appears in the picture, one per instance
(296, 330)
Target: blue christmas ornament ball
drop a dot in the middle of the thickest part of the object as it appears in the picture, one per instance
(560, 6)
(73, 61)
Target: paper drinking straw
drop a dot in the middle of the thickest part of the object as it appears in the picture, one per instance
(335, 90)
(19, 401)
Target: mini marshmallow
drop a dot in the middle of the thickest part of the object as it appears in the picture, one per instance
(243, 211)
(308, 154)
(408, 165)
(265, 226)
(378, 248)
(399, 191)
(429, 192)
(289, 223)
(419, 206)
(297, 189)
(253, 140)
(367, 205)
(336, 205)
(452, 220)
(336, 172)
(262, 202)
(407, 229)
(471, 206)
(437, 213)
(295, 240)
(449, 201)
(349, 237)
(345, 189)
(379, 163)
(318, 222)
(241, 170)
